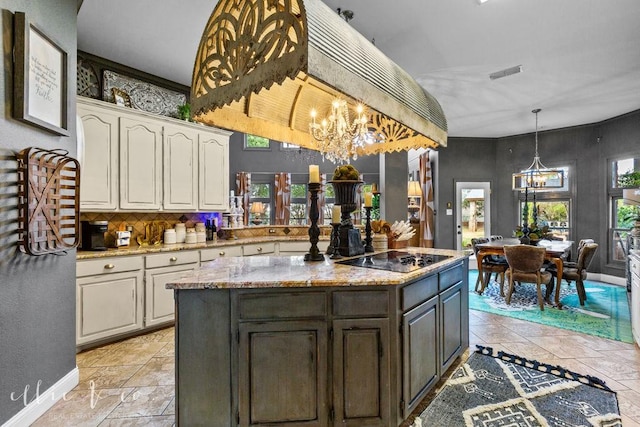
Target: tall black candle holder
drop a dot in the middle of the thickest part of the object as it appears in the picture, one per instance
(335, 241)
(314, 231)
(368, 247)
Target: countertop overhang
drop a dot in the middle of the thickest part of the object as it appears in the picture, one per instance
(292, 271)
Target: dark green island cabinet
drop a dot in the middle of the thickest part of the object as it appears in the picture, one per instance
(277, 341)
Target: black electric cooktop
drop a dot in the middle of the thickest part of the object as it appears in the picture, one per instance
(398, 261)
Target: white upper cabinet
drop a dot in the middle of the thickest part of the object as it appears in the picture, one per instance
(140, 164)
(180, 169)
(213, 171)
(138, 161)
(99, 168)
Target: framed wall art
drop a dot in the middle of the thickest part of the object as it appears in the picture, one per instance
(40, 77)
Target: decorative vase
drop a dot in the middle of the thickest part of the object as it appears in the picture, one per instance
(345, 191)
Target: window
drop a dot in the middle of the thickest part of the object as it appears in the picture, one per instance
(329, 201)
(554, 213)
(254, 142)
(298, 212)
(619, 219)
(261, 192)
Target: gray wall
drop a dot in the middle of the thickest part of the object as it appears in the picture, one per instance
(587, 150)
(37, 304)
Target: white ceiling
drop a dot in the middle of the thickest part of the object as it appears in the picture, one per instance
(580, 58)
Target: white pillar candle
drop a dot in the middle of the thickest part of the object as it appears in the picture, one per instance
(335, 214)
(314, 174)
(232, 193)
(367, 199)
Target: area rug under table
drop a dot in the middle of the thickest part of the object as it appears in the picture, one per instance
(605, 312)
(498, 389)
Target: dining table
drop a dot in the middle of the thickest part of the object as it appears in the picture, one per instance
(555, 251)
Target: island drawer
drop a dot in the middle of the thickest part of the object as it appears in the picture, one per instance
(108, 265)
(279, 305)
(360, 303)
(451, 276)
(168, 259)
(418, 292)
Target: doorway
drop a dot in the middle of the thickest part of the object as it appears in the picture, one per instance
(473, 212)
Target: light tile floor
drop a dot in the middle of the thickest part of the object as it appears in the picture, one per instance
(131, 383)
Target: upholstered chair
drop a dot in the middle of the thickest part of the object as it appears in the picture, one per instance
(525, 264)
(579, 271)
(489, 267)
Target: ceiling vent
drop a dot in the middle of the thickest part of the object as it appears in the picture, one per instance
(506, 72)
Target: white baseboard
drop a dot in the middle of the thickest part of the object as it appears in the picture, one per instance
(44, 400)
(606, 278)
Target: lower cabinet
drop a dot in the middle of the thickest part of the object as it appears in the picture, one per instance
(361, 375)
(419, 352)
(161, 269)
(109, 298)
(452, 325)
(282, 373)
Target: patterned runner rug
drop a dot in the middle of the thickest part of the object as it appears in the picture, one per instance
(604, 314)
(498, 389)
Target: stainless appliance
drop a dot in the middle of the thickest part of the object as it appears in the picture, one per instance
(397, 261)
(93, 233)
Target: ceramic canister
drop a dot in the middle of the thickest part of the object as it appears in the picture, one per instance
(180, 232)
(170, 236)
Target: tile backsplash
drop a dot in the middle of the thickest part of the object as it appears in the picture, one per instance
(149, 225)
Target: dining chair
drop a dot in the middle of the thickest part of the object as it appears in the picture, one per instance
(578, 273)
(525, 265)
(489, 267)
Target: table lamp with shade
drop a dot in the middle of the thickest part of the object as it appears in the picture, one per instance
(414, 192)
(257, 209)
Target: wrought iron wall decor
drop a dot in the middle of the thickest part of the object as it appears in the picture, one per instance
(144, 96)
(48, 201)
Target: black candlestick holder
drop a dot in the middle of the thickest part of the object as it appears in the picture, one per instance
(367, 230)
(314, 231)
(335, 241)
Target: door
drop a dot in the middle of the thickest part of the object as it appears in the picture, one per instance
(180, 169)
(473, 212)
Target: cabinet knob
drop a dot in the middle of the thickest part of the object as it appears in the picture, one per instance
(221, 253)
(173, 259)
(109, 266)
(259, 249)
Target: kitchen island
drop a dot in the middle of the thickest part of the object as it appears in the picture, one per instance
(277, 340)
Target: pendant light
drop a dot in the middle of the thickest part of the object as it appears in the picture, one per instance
(537, 176)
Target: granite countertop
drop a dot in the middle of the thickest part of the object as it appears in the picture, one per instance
(292, 271)
(150, 249)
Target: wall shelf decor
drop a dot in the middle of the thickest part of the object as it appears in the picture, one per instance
(48, 201)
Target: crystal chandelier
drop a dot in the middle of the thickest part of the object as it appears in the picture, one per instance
(338, 137)
(537, 176)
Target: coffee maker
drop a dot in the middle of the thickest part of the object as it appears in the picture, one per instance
(93, 235)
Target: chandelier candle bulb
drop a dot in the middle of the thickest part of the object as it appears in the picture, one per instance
(367, 199)
(314, 174)
(336, 211)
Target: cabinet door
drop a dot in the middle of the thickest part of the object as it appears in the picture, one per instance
(99, 168)
(282, 373)
(213, 170)
(140, 164)
(159, 302)
(452, 319)
(108, 305)
(361, 383)
(419, 353)
(180, 168)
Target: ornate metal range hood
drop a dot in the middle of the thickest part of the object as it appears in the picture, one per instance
(263, 65)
